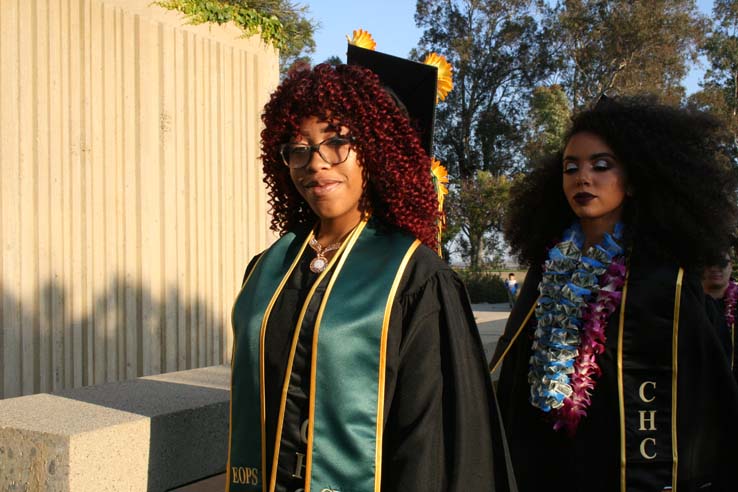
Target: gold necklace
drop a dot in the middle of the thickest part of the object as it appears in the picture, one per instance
(319, 263)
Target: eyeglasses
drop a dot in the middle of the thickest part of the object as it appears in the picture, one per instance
(333, 150)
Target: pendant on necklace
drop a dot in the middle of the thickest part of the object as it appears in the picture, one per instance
(318, 264)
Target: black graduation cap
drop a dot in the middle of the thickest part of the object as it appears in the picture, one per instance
(412, 82)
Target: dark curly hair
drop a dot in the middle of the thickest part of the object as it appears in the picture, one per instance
(683, 189)
(396, 169)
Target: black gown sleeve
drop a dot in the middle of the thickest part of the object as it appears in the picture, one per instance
(707, 399)
(438, 407)
(715, 309)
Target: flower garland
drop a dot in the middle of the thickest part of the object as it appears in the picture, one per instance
(579, 292)
(730, 297)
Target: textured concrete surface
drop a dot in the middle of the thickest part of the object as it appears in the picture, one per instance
(148, 434)
(32, 461)
(133, 157)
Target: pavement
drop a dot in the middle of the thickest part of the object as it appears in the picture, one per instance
(491, 319)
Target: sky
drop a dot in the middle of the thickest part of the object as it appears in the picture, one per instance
(392, 26)
(390, 23)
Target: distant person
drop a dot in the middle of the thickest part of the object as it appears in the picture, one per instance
(512, 288)
(722, 293)
(612, 378)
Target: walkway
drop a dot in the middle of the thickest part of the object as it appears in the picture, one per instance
(491, 319)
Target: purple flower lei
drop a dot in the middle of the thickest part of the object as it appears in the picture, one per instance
(731, 295)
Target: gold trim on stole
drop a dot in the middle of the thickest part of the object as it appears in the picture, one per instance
(674, 381)
(293, 347)
(515, 337)
(621, 400)
(262, 336)
(383, 364)
(314, 356)
(233, 357)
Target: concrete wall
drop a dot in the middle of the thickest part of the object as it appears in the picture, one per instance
(130, 190)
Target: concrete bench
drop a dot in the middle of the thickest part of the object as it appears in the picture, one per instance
(149, 434)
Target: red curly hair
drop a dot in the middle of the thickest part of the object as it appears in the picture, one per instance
(399, 189)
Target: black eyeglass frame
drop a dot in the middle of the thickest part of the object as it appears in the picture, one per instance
(316, 148)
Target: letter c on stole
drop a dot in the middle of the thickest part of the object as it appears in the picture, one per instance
(642, 391)
(643, 448)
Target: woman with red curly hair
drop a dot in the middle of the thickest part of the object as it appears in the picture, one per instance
(357, 364)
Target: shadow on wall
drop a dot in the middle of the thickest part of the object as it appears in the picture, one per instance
(57, 337)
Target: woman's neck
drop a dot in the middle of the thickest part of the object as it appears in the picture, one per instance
(595, 230)
(332, 231)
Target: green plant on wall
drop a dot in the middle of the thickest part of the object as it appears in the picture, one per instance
(280, 23)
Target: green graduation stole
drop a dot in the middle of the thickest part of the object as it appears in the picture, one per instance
(347, 363)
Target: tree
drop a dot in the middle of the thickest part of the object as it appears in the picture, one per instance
(548, 120)
(497, 55)
(333, 60)
(719, 92)
(624, 46)
(282, 23)
(297, 26)
(476, 207)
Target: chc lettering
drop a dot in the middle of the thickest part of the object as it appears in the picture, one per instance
(244, 475)
(647, 419)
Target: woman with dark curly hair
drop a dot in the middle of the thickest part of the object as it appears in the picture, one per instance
(612, 377)
(357, 365)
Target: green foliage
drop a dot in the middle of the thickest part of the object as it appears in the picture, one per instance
(484, 287)
(719, 92)
(333, 60)
(498, 58)
(281, 23)
(476, 207)
(625, 46)
(548, 120)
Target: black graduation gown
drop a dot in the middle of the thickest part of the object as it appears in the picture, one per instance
(716, 313)
(707, 406)
(438, 398)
